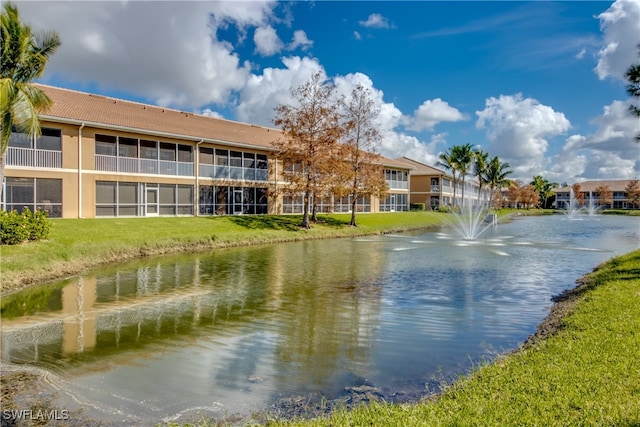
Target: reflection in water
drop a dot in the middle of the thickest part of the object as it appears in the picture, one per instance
(234, 330)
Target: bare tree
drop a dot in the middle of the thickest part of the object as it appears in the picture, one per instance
(362, 173)
(311, 130)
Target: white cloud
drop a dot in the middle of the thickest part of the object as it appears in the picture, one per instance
(609, 153)
(267, 41)
(263, 92)
(519, 129)
(432, 112)
(168, 53)
(375, 20)
(357, 35)
(620, 25)
(210, 113)
(300, 40)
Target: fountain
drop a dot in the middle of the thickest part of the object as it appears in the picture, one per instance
(573, 207)
(592, 205)
(472, 220)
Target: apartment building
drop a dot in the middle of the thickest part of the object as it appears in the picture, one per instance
(620, 198)
(435, 187)
(105, 157)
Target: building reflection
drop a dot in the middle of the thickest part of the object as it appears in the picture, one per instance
(320, 305)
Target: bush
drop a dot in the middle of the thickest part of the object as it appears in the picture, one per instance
(416, 206)
(37, 223)
(13, 229)
(17, 227)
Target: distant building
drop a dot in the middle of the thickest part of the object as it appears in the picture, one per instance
(619, 197)
(435, 187)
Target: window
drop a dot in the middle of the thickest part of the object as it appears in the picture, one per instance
(34, 193)
(106, 145)
(19, 140)
(235, 159)
(148, 149)
(167, 151)
(222, 157)
(185, 153)
(216, 201)
(50, 139)
(206, 155)
(128, 147)
(261, 161)
(128, 198)
(394, 203)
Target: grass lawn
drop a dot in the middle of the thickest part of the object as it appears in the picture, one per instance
(585, 374)
(78, 244)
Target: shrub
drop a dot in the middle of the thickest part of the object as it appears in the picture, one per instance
(13, 229)
(17, 227)
(416, 206)
(37, 223)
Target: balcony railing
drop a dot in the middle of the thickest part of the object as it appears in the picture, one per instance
(398, 184)
(33, 157)
(233, 172)
(435, 188)
(148, 166)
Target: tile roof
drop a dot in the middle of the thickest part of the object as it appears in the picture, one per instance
(103, 111)
(420, 168)
(585, 186)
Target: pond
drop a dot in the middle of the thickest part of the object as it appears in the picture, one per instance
(239, 330)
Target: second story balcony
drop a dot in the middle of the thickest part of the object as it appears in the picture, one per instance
(33, 157)
(144, 166)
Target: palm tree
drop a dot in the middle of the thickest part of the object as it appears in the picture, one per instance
(480, 159)
(463, 158)
(447, 161)
(496, 176)
(544, 189)
(24, 56)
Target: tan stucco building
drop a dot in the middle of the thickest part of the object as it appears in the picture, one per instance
(105, 157)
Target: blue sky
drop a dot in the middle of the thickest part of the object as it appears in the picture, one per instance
(540, 84)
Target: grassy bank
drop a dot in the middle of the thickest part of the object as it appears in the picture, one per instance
(586, 370)
(75, 245)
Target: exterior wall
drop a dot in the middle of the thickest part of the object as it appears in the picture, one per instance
(79, 172)
(420, 189)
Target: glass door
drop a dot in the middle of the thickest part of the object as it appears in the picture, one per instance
(152, 201)
(237, 201)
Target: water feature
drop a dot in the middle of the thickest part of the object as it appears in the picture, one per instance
(592, 205)
(239, 330)
(573, 208)
(472, 219)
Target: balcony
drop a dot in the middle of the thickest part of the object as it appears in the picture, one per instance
(146, 166)
(33, 157)
(232, 172)
(402, 185)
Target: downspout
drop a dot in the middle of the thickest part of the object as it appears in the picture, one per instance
(80, 170)
(196, 193)
(275, 188)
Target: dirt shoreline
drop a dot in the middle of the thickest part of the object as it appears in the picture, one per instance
(26, 390)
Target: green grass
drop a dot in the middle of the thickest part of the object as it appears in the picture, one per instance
(588, 373)
(75, 245)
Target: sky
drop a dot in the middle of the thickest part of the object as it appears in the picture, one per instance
(539, 84)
